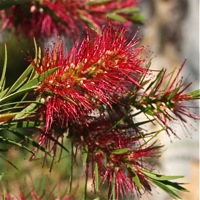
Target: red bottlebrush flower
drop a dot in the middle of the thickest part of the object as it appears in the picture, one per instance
(124, 163)
(180, 101)
(35, 19)
(119, 152)
(97, 71)
(122, 183)
(128, 163)
(171, 103)
(44, 18)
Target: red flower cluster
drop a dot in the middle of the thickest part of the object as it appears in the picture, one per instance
(170, 103)
(179, 100)
(83, 98)
(97, 71)
(120, 153)
(93, 93)
(44, 18)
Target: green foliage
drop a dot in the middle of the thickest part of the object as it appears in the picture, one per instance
(12, 113)
(165, 183)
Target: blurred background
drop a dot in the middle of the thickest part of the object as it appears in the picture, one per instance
(171, 31)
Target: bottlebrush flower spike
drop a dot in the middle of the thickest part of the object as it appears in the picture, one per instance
(97, 71)
(118, 151)
(172, 102)
(179, 102)
(40, 19)
(125, 165)
(44, 18)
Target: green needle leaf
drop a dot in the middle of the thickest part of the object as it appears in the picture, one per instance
(2, 81)
(194, 94)
(98, 2)
(26, 111)
(116, 17)
(160, 177)
(38, 79)
(121, 151)
(3, 93)
(163, 182)
(21, 79)
(28, 140)
(170, 188)
(127, 10)
(135, 177)
(15, 95)
(30, 86)
(174, 92)
(85, 156)
(12, 142)
(155, 81)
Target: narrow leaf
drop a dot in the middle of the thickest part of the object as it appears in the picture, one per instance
(194, 94)
(2, 81)
(30, 86)
(66, 98)
(163, 182)
(15, 95)
(12, 142)
(160, 177)
(88, 19)
(21, 79)
(135, 177)
(173, 93)
(57, 142)
(3, 93)
(158, 78)
(21, 124)
(6, 117)
(98, 2)
(121, 151)
(116, 17)
(171, 191)
(10, 163)
(38, 79)
(28, 140)
(127, 10)
(85, 156)
(26, 111)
